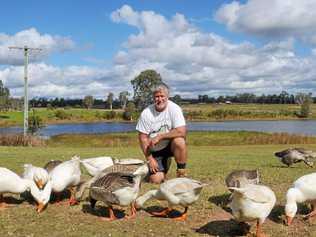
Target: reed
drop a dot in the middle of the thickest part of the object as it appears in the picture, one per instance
(20, 140)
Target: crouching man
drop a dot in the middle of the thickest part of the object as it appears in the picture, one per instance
(162, 133)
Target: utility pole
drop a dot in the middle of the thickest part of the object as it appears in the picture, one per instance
(26, 99)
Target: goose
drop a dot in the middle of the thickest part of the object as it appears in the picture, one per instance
(240, 178)
(296, 155)
(178, 191)
(129, 161)
(303, 190)
(252, 202)
(50, 165)
(38, 174)
(118, 189)
(97, 164)
(10, 182)
(66, 176)
(124, 167)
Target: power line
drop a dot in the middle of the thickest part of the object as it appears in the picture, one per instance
(26, 100)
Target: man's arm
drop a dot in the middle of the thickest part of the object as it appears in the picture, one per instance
(145, 143)
(173, 133)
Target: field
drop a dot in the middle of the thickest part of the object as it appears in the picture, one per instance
(196, 112)
(209, 163)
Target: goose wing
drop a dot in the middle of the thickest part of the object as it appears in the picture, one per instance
(255, 193)
(181, 185)
(104, 187)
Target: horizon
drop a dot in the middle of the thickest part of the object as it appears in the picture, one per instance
(218, 48)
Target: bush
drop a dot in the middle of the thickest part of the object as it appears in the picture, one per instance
(35, 123)
(127, 116)
(49, 107)
(61, 114)
(110, 115)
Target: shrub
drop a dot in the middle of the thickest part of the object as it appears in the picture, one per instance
(35, 123)
(127, 116)
(61, 114)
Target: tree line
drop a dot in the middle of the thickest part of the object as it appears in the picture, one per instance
(142, 85)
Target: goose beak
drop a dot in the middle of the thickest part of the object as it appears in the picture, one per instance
(289, 220)
(40, 207)
(40, 184)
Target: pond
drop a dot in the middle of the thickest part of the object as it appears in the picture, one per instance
(304, 127)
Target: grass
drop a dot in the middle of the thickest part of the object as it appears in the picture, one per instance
(196, 112)
(208, 217)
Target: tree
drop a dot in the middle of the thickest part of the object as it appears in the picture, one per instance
(4, 97)
(35, 123)
(110, 100)
(123, 98)
(305, 101)
(129, 111)
(176, 99)
(142, 85)
(88, 101)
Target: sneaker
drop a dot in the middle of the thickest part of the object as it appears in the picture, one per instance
(181, 173)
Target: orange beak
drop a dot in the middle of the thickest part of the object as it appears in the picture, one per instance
(289, 220)
(40, 184)
(40, 207)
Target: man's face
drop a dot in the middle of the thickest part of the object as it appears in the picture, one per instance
(160, 100)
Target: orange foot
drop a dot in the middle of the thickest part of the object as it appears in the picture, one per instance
(183, 217)
(163, 213)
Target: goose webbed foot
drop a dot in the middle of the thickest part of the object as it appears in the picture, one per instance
(182, 217)
(133, 212)
(163, 213)
(112, 216)
(3, 205)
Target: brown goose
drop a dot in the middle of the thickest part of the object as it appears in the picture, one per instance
(117, 189)
(240, 178)
(117, 167)
(295, 155)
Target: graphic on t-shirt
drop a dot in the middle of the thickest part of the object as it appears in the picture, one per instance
(163, 143)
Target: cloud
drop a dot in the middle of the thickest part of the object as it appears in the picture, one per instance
(194, 62)
(32, 39)
(191, 61)
(271, 18)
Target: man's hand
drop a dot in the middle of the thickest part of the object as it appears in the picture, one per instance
(153, 165)
(155, 140)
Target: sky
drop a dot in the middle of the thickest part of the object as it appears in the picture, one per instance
(198, 47)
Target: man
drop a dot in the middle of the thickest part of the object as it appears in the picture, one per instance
(162, 132)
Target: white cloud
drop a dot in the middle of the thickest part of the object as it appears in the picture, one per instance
(32, 39)
(271, 18)
(192, 62)
(195, 62)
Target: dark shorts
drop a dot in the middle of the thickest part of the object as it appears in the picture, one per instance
(163, 158)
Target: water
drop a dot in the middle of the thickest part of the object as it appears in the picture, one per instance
(304, 127)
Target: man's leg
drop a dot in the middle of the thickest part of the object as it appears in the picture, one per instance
(179, 150)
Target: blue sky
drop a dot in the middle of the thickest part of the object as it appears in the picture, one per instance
(199, 47)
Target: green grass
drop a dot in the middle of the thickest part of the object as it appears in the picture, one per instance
(207, 217)
(196, 112)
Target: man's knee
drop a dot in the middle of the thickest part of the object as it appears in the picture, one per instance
(157, 178)
(178, 143)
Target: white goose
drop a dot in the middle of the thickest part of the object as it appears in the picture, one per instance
(10, 182)
(66, 176)
(178, 191)
(38, 174)
(303, 189)
(95, 165)
(252, 202)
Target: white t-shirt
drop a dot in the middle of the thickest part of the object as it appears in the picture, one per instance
(152, 122)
